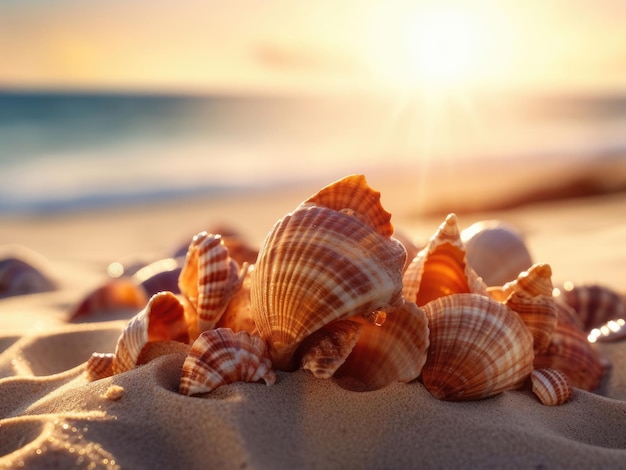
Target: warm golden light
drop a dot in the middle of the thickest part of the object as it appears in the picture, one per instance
(445, 46)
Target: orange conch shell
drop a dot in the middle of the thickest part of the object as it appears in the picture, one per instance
(496, 250)
(221, 356)
(441, 268)
(551, 386)
(478, 348)
(162, 319)
(330, 259)
(207, 281)
(530, 296)
(394, 351)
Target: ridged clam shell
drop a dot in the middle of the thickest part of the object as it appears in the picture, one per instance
(221, 356)
(570, 352)
(325, 350)
(208, 280)
(441, 268)
(322, 263)
(551, 386)
(99, 366)
(394, 351)
(116, 295)
(162, 319)
(594, 304)
(496, 250)
(530, 296)
(478, 348)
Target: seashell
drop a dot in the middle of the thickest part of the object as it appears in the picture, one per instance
(238, 314)
(326, 349)
(238, 248)
(496, 251)
(478, 348)
(21, 273)
(221, 356)
(208, 280)
(330, 259)
(162, 319)
(594, 304)
(116, 295)
(551, 386)
(99, 366)
(395, 351)
(530, 296)
(441, 268)
(571, 353)
(159, 276)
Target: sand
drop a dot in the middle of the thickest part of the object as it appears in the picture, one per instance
(52, 417)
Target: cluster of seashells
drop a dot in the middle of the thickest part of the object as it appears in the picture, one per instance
(334, 292)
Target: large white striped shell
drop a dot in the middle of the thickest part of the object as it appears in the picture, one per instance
(221, 356)
(331, 258)
(207, 281)
(478, 348)
(551, 386)
(441, 268)
(496, 250)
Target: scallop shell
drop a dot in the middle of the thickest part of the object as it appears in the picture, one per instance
(441, 268)
(221, 356)
(394, 351)
(530, 296)
(208, 280)
(99, 366)
(162, 319)
(330, 259)
(324, 351)
(551, 386)
(117, 295)
(594, 304)
(496, 250)
(478, 348)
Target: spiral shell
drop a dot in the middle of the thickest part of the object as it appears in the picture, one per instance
(162, 319)
(330, 259)
(208, 280)
(441, 268)
(478, 348)
(551, 386)
(530, 296)
(221, 356)
(496, 250)
(393, 351)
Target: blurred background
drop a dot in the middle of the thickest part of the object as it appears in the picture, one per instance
(472, 104)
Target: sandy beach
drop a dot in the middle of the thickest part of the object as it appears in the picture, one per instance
(52, 417)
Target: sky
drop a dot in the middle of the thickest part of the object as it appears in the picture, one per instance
(327, 45)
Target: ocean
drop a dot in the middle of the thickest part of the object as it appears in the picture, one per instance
(62, 151)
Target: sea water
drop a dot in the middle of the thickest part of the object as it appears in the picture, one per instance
(65, 150)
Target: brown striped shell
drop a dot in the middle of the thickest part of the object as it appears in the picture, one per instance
(330, 259)
(221, 356)
(162, 319)
(441, 268)
(551, 386)
(496, 250)
(478, 348)
(393, 351)
(208, 280)
(530, 296)
(595, 304)
(99, 366)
